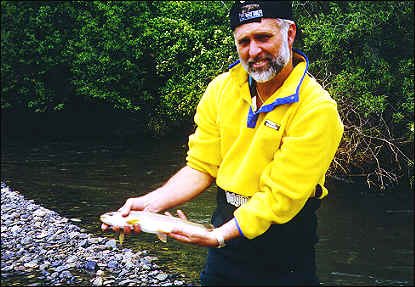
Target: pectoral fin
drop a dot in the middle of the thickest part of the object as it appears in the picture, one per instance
(162, 236)
(209, 226)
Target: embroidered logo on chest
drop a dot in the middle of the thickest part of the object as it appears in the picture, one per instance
(272, 125)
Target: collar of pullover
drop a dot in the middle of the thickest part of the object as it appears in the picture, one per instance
(287, 93)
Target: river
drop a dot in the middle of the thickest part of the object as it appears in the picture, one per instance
(366, 238)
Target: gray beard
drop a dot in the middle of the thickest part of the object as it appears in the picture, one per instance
(276, 65)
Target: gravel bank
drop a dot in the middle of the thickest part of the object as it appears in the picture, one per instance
(40, 243)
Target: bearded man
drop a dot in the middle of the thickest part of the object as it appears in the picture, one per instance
(267, 132)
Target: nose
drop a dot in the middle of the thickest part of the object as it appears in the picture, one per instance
(254, 49)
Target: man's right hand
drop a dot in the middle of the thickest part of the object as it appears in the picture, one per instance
(133, 203)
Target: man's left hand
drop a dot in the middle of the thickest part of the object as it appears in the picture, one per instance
(203, 238)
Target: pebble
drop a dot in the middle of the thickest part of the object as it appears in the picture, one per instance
(91, 266)
(98, 281)
(162, 276)
(49, 248)
(111, 243)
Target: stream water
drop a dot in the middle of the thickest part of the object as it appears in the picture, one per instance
(365, 238)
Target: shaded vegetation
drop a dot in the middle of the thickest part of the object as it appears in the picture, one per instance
(153, 60)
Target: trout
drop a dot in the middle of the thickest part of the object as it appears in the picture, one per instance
(151, 223)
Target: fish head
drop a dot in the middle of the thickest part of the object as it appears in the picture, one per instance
(113, 218)
(107, 215)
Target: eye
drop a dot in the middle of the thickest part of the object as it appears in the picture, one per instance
(263, 38)
(243, 42)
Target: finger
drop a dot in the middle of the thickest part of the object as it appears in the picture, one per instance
(125, 209)
(104, 227)
(148, 209)
(178, 231)
(181, 214)
(179, 237)
(168, 214)
(179, 234)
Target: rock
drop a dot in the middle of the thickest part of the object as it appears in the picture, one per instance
(14, 229)
(111, 244)
(72, 259)
(83, 243)
(43, 234)
(7, 268)
(153, 273)
(43, 266)
(91, 266)
(145, 261)
(26, 240)
(61, 268)
(31, 264)
(178, 283)
(122, 273)
(40, 212)
(112, 264)
(42, 246)
(97, 281)
(73, 234)
(125, 282)
(93, 240)
(66, 274)
(162, 276)
(56, 263)
(76, 219)
(25, 216)
(130, 265)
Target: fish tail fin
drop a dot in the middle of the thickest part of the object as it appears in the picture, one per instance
(162, 236)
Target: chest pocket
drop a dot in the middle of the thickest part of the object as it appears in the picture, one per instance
(268, 138)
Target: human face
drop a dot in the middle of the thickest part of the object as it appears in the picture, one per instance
(263, 49)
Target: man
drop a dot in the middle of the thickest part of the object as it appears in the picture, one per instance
(267, 132)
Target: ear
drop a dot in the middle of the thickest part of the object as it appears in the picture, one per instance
(291, 34)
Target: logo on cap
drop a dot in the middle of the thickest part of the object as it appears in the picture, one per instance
(250, 15)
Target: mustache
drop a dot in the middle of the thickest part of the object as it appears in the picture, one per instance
(257, 59)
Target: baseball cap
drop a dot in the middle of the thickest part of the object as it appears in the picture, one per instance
(243, 12)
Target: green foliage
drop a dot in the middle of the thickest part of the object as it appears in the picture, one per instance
(156, 58)
(152, 57)
(365, 52)
(33, 43)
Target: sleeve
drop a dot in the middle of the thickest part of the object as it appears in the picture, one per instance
(204, 145)
(305, 154)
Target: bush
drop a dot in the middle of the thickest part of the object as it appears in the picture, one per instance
(155, 59)
(364, 57)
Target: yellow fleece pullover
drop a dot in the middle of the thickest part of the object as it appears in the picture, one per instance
(276, 155)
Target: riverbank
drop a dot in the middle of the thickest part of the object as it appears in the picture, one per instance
(39, 243)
